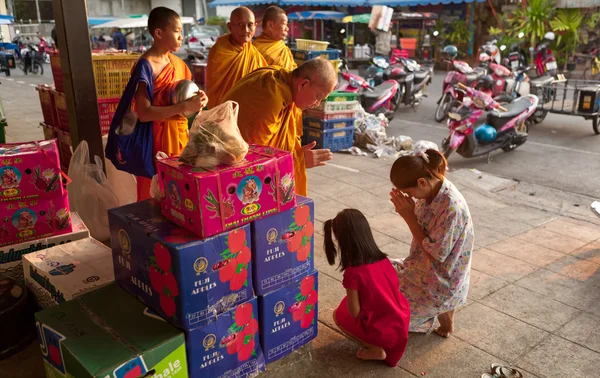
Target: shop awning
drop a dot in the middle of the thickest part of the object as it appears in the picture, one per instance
(93, 21)
(6, 19)
(237, 3)
(134, 22)
(411, 3)
(315, 15)
(325, 3)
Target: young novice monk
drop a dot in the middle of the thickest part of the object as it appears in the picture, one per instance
(160, 69)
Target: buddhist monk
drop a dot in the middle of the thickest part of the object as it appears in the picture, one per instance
(233, 56)
(271, 43)
(268, 98)
(153, 77)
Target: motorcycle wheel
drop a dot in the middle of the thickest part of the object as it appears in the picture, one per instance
(443, 108)
(37, 69)
(539, 116)
(596, 124)
(446, 149)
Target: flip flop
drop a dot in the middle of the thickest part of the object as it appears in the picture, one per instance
(504, 371)
(488, 375)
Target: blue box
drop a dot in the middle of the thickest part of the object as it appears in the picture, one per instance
(335, 140)
(282, 250)
(289, 317)
(304, 55)
(328, 124)
(186, 280)
(228, 347)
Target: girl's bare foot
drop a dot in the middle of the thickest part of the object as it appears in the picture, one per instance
(446, 324)
(373, 353)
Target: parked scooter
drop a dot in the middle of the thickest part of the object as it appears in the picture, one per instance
(489, 49)
(381, 99)
(462, 73)
(413, 80)
(503, 128)
(545, 62)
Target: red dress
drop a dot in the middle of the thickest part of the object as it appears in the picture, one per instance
(384, 312)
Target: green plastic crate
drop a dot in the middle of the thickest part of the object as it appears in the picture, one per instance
(341, 97)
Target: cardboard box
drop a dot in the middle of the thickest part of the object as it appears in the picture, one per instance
(30, 170)
(33, 219)
(289, 317)
(61, 273)
(283, 247)
(227, 347)
(10, 256)
(108, 334)
(185, 279)
(212, 200)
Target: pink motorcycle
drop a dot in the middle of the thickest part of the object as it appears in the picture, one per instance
(472, 134)
(462, 73)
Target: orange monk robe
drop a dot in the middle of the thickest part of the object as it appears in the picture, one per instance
(277, 53)
(170, 135)
(267, 115)
(227, 64)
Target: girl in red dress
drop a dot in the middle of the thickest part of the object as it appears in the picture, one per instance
(374, 313)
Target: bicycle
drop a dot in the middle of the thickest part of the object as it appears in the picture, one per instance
(593, 71)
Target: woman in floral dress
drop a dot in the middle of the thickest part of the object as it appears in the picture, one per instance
(435, 276)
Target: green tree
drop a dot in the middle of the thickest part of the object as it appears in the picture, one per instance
(566, 24)
(533, 21)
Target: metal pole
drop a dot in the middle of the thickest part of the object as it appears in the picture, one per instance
(205, 8)
(37, 8)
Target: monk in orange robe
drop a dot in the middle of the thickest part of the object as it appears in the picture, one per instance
(268, 98)
(233, 56)
(170, 127)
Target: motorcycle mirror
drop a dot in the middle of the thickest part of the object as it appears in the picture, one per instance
(521, 35)
(503, 47)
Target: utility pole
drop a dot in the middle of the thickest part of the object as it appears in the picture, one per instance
(37, 8)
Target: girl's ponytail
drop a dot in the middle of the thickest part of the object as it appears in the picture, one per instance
(330, 250)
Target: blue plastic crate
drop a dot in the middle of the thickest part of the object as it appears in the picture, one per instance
(335, 139)
(328, 124)
(304, 55)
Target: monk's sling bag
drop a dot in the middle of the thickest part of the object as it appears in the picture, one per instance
(132, 151)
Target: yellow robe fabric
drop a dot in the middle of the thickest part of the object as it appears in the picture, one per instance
(267, 115)
(228, 63)
(276, 53)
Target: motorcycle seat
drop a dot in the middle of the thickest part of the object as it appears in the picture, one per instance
(476, 74)
(378, 91)
(498, 118)
(422, 74)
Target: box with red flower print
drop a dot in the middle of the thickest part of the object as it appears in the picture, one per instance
(227, 347)
(208, 201)
(185, 279)
(282, 247)
(288, 317)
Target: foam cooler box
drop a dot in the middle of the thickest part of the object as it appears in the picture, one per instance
(34, 219)
(288, 317)
(283, 247)
(185, 279)
(10, 256)
(109, 334)
(30, 170)
(64, 272)
(227, 347)
(210, 201)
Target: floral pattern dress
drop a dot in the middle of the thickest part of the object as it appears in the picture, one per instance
(435, 276)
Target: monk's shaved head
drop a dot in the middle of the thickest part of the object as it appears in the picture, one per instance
(318, 70)
(241, 25)
(314, 80)
(272, 14)
(275, 23)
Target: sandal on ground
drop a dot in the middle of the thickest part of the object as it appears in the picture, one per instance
(488, 375)
(503, 371)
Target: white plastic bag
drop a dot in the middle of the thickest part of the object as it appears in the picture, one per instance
(90, 193)
(122, 183)
(215, 138)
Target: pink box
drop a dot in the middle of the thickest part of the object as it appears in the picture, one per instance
(30, 171)
(32, 219)
(210, 201)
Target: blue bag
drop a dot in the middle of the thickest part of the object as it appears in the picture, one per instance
(132, 153)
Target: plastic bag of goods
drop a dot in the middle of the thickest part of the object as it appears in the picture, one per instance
(424, 145)
(90, 193)
(215, 138)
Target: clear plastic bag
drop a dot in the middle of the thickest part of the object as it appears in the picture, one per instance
(90, 193)
(424, 145)
(215, 138)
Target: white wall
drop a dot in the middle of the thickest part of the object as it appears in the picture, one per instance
(225, 11)
(171, 4)
(113, 8)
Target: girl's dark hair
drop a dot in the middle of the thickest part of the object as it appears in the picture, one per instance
(407, 170)
(355, 240)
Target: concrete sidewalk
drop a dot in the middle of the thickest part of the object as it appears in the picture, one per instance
(534, 299)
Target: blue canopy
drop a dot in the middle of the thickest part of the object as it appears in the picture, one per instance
(315, 15)
(237, 3)
(93, 21)
(406, 3)
(326, 3)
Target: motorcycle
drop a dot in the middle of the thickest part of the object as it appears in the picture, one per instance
(381, 99)
(462, 73)
(491, 50)
(413, 81)
(31, 60)
(545, 62)
(501, 128)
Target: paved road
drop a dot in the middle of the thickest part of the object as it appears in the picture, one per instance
(562, 152)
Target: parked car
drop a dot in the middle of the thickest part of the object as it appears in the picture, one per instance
(203, 37)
